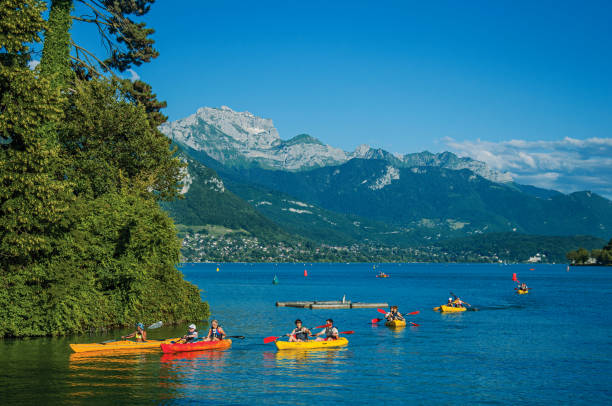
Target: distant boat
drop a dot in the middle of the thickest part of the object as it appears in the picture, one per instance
(275, 280)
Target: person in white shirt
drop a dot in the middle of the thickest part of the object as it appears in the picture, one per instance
(330, 331)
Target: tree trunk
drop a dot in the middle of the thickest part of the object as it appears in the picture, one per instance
(55, 61)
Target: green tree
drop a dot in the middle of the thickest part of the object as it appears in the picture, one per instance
(83, 241)
(128, 42)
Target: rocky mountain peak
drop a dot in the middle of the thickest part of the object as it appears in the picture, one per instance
(241, 138)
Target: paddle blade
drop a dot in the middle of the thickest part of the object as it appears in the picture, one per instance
(374, 321)
(414, 324)
(270, 339)
(347, 332)
(412, 313)
(381, 311)
(155, 325)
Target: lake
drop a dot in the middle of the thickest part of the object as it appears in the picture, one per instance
(550, 346)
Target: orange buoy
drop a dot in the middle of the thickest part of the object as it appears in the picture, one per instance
(305, 272)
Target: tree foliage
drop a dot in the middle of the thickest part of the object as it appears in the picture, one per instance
(83, 242)
(582, 256)
(111, 144)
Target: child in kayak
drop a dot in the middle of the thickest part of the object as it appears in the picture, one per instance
(192, 334)
(331, 332)
(140, 334)
(523, 286)
(394, 314)
(215, 333)
(299, 333)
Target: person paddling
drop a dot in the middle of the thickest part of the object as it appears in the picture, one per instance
(140, 334)
(299, 333)
(394, 314)
(330, 332)
(460, 303)
(215, 333)
(192, 334)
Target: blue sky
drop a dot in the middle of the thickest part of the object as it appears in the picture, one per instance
(466, 76)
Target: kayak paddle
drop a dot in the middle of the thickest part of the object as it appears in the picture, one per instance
(457, 297)
(272, 338)
(405, 314)
(239, 337)
(151, 327)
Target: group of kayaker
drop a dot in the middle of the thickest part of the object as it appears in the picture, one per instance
(215, 333)
(301, 333)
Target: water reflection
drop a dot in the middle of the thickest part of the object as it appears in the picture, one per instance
(117, 356)
(193, 355)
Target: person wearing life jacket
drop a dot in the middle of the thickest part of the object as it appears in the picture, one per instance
(394, 314)
(330, 332)
(523, 286)
(450, 302)
(192, 334)
(299, 333)
(215, 333)
(140, 334)
(460, 303)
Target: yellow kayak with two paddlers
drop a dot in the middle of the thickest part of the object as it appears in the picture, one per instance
(395, 323)
(449, 309)
(302, 345)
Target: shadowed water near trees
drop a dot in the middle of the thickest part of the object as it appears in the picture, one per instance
(84, 244)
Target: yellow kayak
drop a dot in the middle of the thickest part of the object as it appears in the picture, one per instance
(120, 345)
(450, 309)
(395, 323)
(286, 345)
(522, 292)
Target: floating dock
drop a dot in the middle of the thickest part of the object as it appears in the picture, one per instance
(331, 304)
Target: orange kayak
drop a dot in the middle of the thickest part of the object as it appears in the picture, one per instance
(197, 346)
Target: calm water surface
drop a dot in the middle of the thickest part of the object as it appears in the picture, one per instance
(552, 345)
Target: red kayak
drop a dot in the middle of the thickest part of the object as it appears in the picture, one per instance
(197, 346)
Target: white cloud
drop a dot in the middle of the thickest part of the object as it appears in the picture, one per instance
(133, 75)
(567, 165)
(33, 64)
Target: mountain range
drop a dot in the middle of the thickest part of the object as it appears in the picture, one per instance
(303, 187)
